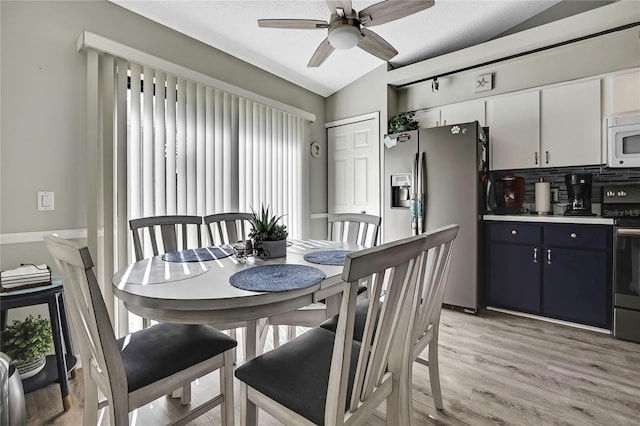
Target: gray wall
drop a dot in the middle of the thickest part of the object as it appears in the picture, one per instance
(43, 102)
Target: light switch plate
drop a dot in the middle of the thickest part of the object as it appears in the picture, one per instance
(45, 201)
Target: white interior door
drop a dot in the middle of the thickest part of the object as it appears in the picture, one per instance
(354, 167)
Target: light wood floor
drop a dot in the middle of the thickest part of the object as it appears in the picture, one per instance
(496, 369)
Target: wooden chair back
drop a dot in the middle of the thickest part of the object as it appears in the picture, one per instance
(429, 295)
(354, 228)
(399, 269)
(228, 228)
(162, 234)
(99, 350)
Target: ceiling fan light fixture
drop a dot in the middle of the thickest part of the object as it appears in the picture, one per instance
(344, 36)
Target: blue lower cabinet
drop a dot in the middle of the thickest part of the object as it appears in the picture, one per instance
(514, 277)
(561, 271)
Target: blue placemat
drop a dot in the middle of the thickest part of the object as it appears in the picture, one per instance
(327, 257)
(277, 278)
(198, 255)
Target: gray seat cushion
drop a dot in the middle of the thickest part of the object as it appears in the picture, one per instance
(358, 328)
(296, 374)
(157, 352)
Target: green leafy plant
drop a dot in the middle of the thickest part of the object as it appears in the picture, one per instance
(265, 226)
(27, 340)
(403, 122)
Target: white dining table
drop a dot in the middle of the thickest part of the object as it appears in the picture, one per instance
(200, 293)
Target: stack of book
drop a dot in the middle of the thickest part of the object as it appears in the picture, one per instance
(26, 276)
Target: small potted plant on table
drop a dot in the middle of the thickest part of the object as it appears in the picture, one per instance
(26, 343)
(269, 237)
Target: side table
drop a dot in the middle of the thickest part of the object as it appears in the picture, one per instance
(63, 362)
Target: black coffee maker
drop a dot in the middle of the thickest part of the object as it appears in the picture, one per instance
(579, 191)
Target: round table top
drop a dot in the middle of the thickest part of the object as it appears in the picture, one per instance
(154, 285)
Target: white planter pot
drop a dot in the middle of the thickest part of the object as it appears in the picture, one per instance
(31, 368)
(274, 249)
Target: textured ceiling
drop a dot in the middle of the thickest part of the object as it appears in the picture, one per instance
(231, 27)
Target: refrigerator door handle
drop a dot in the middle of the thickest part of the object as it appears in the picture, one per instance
(413, 205)
(422, 193)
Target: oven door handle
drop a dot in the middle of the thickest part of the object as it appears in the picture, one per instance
(628, 232)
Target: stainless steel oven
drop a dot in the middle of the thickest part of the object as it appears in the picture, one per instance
(622, 202)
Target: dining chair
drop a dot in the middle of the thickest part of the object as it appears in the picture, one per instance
(425, 316)
(163, 234)
(132, 371)
(156, 235)
(228, 228)
(353, 228)
(328, 378)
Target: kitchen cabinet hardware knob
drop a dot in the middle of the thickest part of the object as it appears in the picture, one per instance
(574, 235)
(535, 156)
(535, 255)
(437, 124)
(546, 154)
(445, 123)
(514, 232)
(549, 257)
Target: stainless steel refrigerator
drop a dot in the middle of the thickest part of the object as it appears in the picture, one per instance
(435, 177)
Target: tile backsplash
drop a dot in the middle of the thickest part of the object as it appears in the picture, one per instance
(555, 176)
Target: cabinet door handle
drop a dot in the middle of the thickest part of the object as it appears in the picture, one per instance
(514, 232)
(573, 235)
(535, 157)
(546, 154)
(535, 255)
(549, 257)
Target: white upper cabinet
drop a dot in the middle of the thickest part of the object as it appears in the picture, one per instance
(463, 112)
(428, 118)
(625, 94)
(554, 127)
(571, 125)
(514, 131)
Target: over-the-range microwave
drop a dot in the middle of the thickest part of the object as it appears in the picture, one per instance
(623, 139)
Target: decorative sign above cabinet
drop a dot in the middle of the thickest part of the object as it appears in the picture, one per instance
(483, 83)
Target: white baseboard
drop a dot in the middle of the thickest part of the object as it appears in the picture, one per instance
(553, 320)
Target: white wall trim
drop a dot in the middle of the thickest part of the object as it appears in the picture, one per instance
(351, 120)
(319, 216)
(37, 236)
(89, 40)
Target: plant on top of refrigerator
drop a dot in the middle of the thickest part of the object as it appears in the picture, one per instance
(403, 122)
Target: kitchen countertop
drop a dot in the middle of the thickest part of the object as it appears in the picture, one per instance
(591, 220)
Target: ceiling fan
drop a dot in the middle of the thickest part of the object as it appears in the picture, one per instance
(348, 28)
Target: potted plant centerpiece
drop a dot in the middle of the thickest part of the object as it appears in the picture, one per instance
(26, 343)
(269, 237)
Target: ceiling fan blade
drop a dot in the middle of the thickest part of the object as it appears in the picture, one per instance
(321, 54)
(298, 24)
(342, 4)
(390, 10)
(376, 45)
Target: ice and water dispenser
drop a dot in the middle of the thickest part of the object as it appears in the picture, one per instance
(401, 190)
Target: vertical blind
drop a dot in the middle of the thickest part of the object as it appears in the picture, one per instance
(168, 145)
(197, 150)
